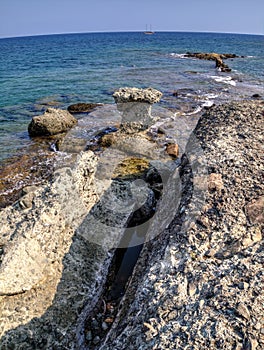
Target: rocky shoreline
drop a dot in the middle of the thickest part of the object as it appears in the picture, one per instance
(202, 287)
(197, 284)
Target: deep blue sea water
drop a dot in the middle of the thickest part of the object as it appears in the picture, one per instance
(61, 70)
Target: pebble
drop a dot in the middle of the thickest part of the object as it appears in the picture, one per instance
(172, 150)
(243, 311)
(243, 285)
(96, 340)
(104, 326)
(89, 336)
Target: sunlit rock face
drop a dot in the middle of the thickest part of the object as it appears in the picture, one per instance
(53, 121)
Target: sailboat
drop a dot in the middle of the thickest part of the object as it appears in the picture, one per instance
(148, 31)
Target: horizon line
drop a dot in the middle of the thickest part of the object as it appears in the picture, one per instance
(127, 31)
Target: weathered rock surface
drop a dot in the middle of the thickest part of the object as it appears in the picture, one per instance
(53, 121)
(218, 58)
(199, 284)
(135, 106)
(126, 94)
(172, 150)
(54, 257)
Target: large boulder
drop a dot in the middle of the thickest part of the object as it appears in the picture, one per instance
(52, 122)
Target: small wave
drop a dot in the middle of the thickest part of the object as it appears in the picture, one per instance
(197, 110)
(207, 103)
(211, 96)
(177, 55)
(226, 80)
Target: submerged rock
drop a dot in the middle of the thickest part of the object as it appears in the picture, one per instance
(83, 107)
(53, 121)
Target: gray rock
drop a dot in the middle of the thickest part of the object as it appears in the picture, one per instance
(180, 295)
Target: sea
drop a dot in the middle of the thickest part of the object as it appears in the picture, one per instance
(38, 72)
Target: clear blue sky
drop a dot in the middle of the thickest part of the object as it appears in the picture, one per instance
(32, 17)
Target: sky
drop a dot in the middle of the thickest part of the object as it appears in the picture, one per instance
(37, 17)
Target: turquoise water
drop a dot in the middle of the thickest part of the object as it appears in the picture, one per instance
(61, 70)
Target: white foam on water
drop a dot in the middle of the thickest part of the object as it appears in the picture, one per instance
(226, 80)
(208, 99)
(207, 103)
(197, 110)
(211, 96)
(178, 55)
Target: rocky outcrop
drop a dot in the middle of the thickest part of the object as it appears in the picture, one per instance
(82, 107)
(199, 279)
(35, 237)
(57, 243)
(52, 122)
(199, 284)
(218, 58)
(135, 106)
(56, 246)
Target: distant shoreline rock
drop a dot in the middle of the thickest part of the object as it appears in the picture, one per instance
(218, 58)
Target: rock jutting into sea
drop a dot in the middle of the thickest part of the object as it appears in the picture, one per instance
(199, 283)
(53, 121)
(218, 58)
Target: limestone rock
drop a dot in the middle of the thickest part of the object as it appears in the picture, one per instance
(135, 106)
(243, 311)
(52, 122)
(127, 94)
(22, 267)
